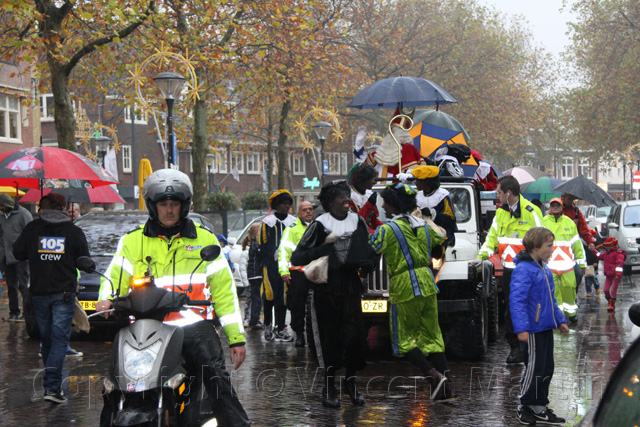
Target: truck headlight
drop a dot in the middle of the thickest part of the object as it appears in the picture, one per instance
(139, 363)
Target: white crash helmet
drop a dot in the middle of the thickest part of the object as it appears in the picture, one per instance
(166, 184)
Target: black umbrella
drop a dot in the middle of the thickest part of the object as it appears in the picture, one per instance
(585, 189)
(407, 91)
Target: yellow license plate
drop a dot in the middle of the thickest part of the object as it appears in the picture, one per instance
(88, 305)
(374, 306)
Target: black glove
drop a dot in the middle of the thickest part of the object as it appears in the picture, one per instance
(373, 198)
(426, 212)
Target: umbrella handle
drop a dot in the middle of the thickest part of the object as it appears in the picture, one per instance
(405, 123)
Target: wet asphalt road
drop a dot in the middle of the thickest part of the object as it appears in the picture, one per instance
(279, 385)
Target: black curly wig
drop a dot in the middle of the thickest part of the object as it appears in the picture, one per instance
(397, 197)
(332, 190)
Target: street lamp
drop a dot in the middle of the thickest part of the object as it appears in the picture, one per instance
(102, 145)
(170, 85)
(630, 166)
(322, 130)
(210, 159)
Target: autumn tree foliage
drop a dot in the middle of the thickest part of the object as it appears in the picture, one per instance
(56, 35)
(606, 54)
(487, 64)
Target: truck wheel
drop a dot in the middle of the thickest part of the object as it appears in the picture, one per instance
(469, 338)
(493, 311)
(30, 318)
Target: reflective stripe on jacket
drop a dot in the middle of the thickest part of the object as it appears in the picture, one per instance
(212, 280)
(507, 231)
(567, 246)
(288, 243)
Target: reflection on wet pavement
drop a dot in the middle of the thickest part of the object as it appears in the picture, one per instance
(279, 384)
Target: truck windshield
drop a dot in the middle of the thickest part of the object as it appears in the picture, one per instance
(461, 200)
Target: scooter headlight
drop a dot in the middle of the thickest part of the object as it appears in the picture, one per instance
(139, 363)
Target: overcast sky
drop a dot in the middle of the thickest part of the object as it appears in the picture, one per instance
(545, 21)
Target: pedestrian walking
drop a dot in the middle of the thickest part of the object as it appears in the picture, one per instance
(407, 242)
(297, 283)
(13, 220)
(568, 252)
(591, 275)
(513, 219)
(251, 271)
(535, 314)
(336, 312)
(273, 287)
(52, 245)
(613, 258)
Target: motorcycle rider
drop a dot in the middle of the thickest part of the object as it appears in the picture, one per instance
(169, 245)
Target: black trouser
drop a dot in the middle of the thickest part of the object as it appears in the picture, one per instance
(297, 301)
(17, 277)
(254, 301)
(203, 351)
(538, 368)
(281, 315)
(512, 339)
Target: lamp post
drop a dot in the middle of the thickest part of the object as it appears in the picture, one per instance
(322, 130)
(102, 145)
(630, 166)
(210, 159)
(170, 85)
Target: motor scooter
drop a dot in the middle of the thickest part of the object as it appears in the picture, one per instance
(147, 383)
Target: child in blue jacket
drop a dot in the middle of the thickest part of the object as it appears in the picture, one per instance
(535, 314)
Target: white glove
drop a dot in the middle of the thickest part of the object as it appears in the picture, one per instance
(360, 136)
(476, 261)
(404, 177)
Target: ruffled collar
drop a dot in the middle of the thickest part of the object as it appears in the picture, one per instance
(432, 200)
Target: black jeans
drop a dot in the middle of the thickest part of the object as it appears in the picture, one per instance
(17, 277)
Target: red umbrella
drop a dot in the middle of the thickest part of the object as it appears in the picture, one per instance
(104, 194)
(26, 167)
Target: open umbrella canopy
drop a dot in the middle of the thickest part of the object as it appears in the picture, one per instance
(541, 188)
(428, 138)
(439, 118)
(12, 191)
(27, 167)
(525, 174)
(585, 189)
(408, 91)
(103, 194)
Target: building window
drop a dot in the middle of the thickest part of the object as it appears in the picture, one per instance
(337, 163)
(237, 161)
(9, 118)
(222, 161)
(46, 107)
(584, 168)
(567, 167)
(139, 117)
(126, 158)
(298, 164)
(254, 161)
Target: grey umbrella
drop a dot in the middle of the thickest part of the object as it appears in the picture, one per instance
(586, 189)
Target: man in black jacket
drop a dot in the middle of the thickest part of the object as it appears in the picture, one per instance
(52, 244)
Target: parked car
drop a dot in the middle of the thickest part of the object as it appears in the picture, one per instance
(596, 217)
(103, 230)
(623, 223)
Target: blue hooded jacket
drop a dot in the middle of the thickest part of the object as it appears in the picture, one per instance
(533, 306)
